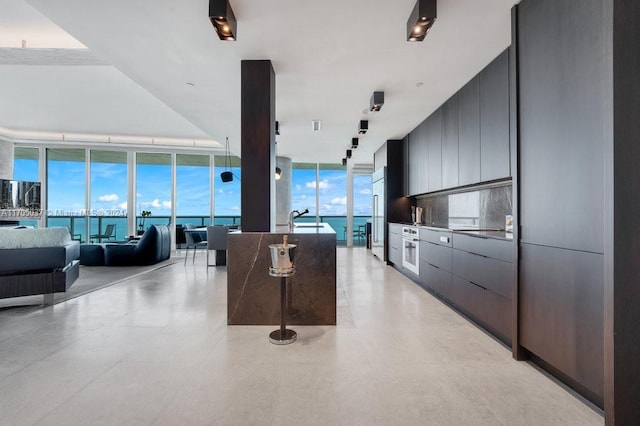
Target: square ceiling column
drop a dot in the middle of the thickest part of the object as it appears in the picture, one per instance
(257, 158)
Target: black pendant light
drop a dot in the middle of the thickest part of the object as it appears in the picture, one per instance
(421, 19)
(227, 176)
(223, 19)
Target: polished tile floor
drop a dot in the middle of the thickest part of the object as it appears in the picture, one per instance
(156, 350)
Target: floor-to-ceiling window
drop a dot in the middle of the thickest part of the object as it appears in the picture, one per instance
(26, 168)
(26, 164)
(227, 194)
(153, 190)
(332, 198)
(304, 189)
(362, 207)
(66, 190)
(322, 188)
(193, 189)
(108, 204)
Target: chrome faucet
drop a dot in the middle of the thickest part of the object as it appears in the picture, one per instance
(294, 215)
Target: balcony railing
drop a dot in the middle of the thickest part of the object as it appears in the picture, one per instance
(98, 224)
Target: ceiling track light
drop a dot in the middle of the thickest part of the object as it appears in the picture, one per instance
(278, 173)
(422, 17)
(376, 102)
(363, 127)
(316, 125)
(223, 19)
(348, 153)
(277, 128)
(344, 161)
(354, 143)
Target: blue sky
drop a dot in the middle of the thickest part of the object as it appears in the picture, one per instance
(153, 192)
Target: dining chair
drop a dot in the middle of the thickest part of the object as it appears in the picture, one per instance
(217, 240)
(193, 240)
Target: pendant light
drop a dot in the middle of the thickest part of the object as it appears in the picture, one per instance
(227, 176)
(278, 169)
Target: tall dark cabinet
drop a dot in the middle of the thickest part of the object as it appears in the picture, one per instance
(469, 133)
(561, 188)
(494, 119)
(450, 143)
(433, 137)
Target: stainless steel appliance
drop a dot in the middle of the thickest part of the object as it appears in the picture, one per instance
(411, 249)
(379, 219)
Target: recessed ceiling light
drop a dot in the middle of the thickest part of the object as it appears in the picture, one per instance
(190, 84)
(419, 84)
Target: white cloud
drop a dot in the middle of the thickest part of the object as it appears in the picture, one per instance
(123, 206)
(365, 191)
(138, 194)
(220, 191)
(302, 197)
(339, 201)
(157, 204)
(236, 208)
(323, 184)
(298, 187)
(108, 197)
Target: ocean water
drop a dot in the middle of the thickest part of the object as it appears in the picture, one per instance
(97, 225)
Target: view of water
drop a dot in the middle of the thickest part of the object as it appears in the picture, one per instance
(77, 224)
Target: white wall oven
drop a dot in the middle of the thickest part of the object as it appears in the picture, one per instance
(411, 249)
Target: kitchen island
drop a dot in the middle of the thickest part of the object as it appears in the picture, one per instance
(253, 297)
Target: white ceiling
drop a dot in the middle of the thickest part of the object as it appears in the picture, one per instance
(328, 56)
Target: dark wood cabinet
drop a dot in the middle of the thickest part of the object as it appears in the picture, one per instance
(450, 143)
(485, 307)
(469, 133)
(466, 140)
(492, 274)
(417, 160)
(412, 162)
(395, 244)
(561, 135)
(561, 312)
(494, 119)
(437, 280)
(433, 132)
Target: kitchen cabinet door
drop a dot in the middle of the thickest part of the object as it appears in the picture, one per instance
(450, 143)
(412, 160)
(395, 249)
(561, 311)
(494, 119)
(562, 128)
(434, 150)
(469, 133)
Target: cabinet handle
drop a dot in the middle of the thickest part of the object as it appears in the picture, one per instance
(478, 285)
(477, 254)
